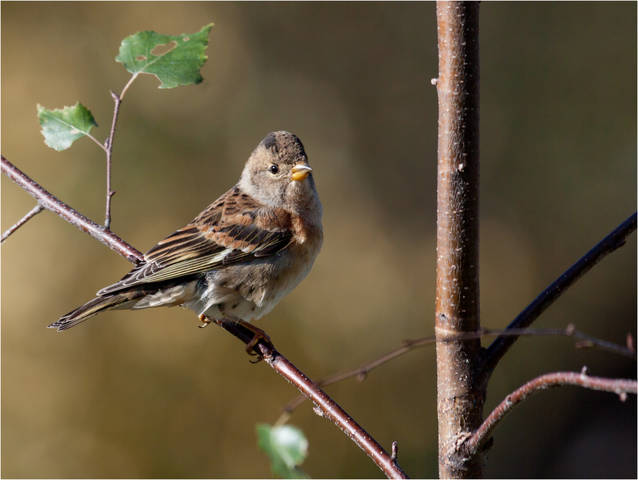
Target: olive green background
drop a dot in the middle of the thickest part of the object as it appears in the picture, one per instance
(148, 394)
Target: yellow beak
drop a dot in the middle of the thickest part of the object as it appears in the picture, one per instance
(300, 171)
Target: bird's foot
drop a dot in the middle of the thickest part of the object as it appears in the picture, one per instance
(258, 336)
(205, 321)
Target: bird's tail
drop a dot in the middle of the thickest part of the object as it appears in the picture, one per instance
(91, 308)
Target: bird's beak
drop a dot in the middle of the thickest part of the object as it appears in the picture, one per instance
(300, 171)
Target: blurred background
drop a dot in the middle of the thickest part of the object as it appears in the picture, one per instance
(148, 394)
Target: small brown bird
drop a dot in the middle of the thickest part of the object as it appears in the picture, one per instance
(241, 255)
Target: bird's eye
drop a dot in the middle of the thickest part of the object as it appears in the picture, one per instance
(273, 168)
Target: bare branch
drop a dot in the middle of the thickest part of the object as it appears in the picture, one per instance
(324, 405)
(32, 213)
(409, 345)
(611, 242)
(51, 203)
(621, 387)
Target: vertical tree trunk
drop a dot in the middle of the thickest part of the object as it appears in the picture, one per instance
(460, 404)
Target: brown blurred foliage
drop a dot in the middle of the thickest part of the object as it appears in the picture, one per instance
(147, 394)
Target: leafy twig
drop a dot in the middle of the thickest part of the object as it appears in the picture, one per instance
(362, 371)
(611, 242)
(619, 386)
(51, 203)
(32, 213)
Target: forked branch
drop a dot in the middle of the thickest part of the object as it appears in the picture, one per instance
(51, 203)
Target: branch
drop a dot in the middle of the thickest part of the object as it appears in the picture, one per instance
(51, 203)
(108, 148)
(611, 242)
(324, 405)
(459, 401)
(409, 345)
(32, 213)
(478, 439)
(108, 144)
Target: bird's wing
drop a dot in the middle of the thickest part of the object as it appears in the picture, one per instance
(232, 230)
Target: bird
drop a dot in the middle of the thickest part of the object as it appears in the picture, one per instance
(240, 256)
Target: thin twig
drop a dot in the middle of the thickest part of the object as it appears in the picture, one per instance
(395, 451)
(324, 405)
(51, 203)
(619, 386)
(108, 148)
(611, 242)
(362, 371)
(32, 213)
(108, 144)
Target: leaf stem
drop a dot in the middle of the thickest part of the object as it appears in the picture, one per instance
(96, 141)
(128, 84)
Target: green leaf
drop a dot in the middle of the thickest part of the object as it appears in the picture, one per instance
(174, 59)
(287, 448)
(62, 127)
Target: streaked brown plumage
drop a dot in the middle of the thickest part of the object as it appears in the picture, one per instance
(239, 256)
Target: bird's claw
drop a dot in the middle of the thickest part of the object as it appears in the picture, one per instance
(205, 321)
(258, 336)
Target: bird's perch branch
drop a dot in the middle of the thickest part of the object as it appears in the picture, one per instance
(621, 387)
(328, 407)
(51, 203)
(324, 405)
(459, 397)
(611, 242)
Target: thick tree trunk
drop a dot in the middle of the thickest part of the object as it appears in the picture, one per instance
(460, 402)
